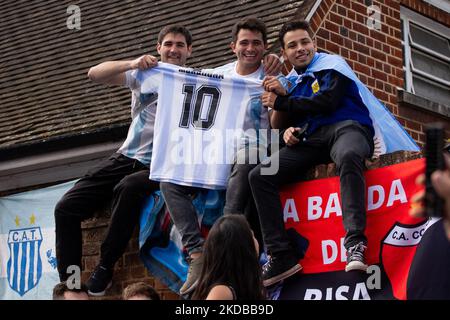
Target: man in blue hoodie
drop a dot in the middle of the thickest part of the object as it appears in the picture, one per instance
(333, 120)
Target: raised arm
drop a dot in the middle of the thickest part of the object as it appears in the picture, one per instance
(113, 72)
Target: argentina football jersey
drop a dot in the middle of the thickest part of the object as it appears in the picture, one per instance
(199, 123)
(256, 121)
(139, 142)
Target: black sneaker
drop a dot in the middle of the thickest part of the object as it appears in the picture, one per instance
(279, 268)
(100, 281)
(355, 258)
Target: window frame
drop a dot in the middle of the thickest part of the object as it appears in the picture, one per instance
(407, 16)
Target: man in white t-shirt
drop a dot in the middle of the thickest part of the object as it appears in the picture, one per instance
(124, 176)
(249, 44)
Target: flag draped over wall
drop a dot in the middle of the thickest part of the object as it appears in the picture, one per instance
(313, 218)
(160, 244)
(27, 243)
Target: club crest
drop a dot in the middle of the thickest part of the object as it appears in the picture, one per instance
(24, 267)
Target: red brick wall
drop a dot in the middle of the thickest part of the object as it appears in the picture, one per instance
(427, 10)
(375, 56)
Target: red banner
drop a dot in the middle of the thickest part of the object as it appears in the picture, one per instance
(314, 211)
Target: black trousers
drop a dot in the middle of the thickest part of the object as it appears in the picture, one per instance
(239, 198)
(119, 179)
(346, 143)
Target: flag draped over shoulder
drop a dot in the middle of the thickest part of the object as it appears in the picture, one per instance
(389, 134)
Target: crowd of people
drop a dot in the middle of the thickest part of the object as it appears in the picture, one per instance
(322, 116)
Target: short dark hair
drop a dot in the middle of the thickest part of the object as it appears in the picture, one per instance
(294, 25)
(61, 288)
(177, 29)
(252, 24)
(140, 288)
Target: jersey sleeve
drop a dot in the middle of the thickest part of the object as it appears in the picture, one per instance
(130, 79)
(149, 80)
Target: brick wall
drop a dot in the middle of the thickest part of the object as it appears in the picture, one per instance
(130, 269)
(376, 56)
(427, 10)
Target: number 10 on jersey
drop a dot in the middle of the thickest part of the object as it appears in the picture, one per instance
(193, 104)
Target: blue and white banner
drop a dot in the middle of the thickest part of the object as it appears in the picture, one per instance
(27, 243)
(160, 245)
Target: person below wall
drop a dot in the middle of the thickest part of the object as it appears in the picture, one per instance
(231, 269)
(62, 292)
(429, 275)
(140, 291)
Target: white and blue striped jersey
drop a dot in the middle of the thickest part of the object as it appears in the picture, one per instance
(198, 113)
(139, 142)
(256, 117)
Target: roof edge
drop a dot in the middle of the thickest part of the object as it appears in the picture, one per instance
(110, 133)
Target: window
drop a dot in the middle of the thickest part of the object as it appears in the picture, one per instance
(426, 48)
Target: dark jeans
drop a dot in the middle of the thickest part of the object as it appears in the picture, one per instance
(126, 182)
(346, 143)
(239, 198)
(238, 189)
(184, 216)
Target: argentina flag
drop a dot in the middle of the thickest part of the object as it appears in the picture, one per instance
(27, 243)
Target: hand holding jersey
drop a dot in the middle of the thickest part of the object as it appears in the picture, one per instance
(144, 62)
(272, 64)
(272, 84)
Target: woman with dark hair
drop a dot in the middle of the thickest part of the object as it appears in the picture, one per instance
(231, 269)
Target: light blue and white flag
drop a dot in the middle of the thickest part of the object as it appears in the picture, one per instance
(27, 243)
